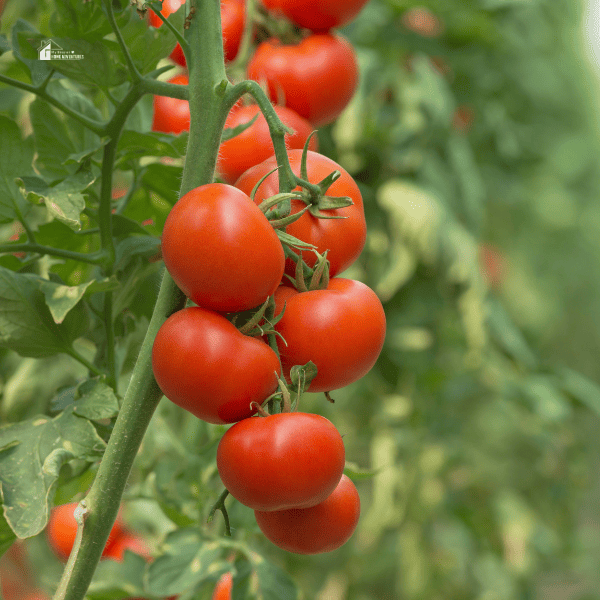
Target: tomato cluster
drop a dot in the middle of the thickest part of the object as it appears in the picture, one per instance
(270, 319)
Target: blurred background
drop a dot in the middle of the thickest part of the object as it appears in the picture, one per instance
(474, 137)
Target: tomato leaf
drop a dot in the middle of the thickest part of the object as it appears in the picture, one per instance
(581, 388)
(133, 145)
(39, 69)
(94, 400)
(26, 323)
(64, 201)
(145, 246)
(52, 142)
(17, 157)
(31, 456)
(273, 582)
(60, 299)
(187, 561)
(7, 535)
(116, 580)
(79, 20)
(164, 180)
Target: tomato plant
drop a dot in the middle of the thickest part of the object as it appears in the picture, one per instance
(204, 246)
(171, 115)
(62, 529)
(205, 365)
(319, 15)
(281, 461)
(341, 329)
(316, 77)
(254, 144)
(343, 237)
(321, 528)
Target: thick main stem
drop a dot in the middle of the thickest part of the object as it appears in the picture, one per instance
(207, 86)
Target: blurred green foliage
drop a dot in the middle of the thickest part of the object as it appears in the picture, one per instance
(479, 422)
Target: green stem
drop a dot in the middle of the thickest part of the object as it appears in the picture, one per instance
(110, 340)
(133, 71)
(84, 361)
(93, 125)
(94, 259)
(164, 88)
(208, 85)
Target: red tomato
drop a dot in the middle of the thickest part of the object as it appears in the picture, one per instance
(62, 529)
(341, 329)
(171, 115)
(233, 16)
(286, 460)
(127, 541)
(321, 528)
(344, 238)
(316, 77)
(221, 250)
(223, 588)
(204, 364)
(254, 144)
(37, 595)
(318, 16)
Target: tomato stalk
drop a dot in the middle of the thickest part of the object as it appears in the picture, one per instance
(208, 107)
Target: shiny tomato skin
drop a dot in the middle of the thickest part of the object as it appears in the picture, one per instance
(221, 250)
(202, 363)
(282, 461)
(316, 77)
(321, 528)
(341, 329)
(254, 145)
(62, 529)
(233, 16)
(344, 238)
(321, 15)
(171, 115)
(223, 588)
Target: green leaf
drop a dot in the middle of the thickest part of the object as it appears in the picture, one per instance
(60, 299)
(52, 142)
(581, 388)
(130, 247)
(356, 473)
(64, 201)
(25, 53)
(164, 180)
(147, 45)
(33, 452)
(273, 582)
(116, 580)
(26, 324)
(123, 226)
(96, 68)
(508, 336)
(7, 535)
(17, 158)
(79, 20)
(187, 561)
(94, 400)
(134, 144)
(4, 45)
